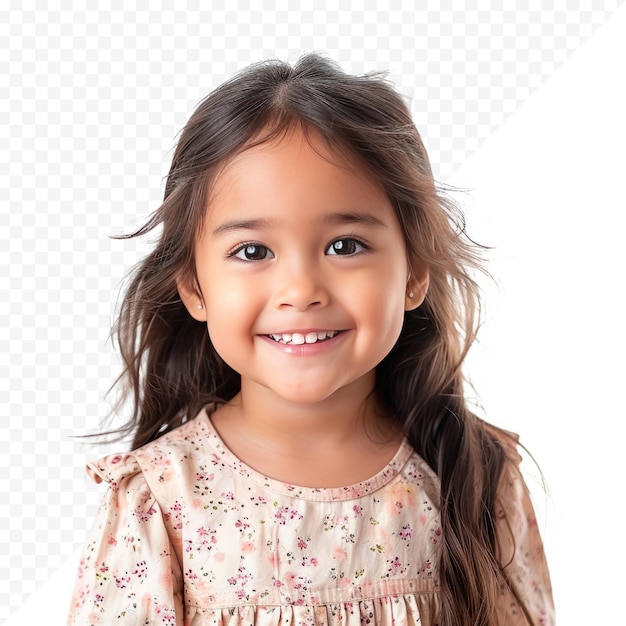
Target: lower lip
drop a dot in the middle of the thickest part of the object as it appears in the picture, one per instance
(305, 349)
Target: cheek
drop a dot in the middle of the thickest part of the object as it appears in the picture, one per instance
(379, 303)
(231, 311)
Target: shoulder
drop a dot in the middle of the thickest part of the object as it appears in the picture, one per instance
(158, 462)
(513, 498)
(518, 539)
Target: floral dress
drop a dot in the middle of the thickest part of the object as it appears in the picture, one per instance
(188, 534)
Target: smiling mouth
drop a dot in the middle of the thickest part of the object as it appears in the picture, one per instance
(299, 339)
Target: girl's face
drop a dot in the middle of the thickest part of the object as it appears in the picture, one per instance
(302, 271)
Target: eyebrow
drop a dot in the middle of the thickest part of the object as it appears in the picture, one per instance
(255, 224)
(367, 219)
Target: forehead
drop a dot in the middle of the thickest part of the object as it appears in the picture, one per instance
(296, 164)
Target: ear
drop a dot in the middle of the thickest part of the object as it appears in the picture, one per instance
(192, 299)
(416, 288)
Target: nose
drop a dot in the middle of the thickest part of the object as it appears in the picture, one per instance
(300, 285)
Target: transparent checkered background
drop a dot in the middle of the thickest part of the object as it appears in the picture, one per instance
(91, 104)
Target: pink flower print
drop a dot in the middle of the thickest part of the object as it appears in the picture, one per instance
(242, 525)
(406, 532)
(143, 517)
(167, 614)
(402, 495)
(175, 512)
(285, 514)
(229, 495)
(122, 581)
(205, 540)
(358, 510)
(203, 477)
(279, 516)
(240, 580)
(415, 474)
(395, 567)
(293, 514)
(112, 541)
(141, 570)
(302, 543)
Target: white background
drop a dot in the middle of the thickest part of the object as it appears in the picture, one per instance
(523, 108)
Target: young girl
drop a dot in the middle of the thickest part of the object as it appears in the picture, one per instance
(303, 452)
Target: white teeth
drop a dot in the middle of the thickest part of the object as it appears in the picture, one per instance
(298, 339)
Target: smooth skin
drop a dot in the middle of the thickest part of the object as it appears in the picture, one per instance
(299, 240)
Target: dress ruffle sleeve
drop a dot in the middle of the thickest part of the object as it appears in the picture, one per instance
(128, 573)
(520, 548)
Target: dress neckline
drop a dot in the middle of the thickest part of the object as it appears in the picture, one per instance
(349, 492)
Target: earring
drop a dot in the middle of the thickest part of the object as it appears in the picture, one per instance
(411, 294)
(199, 306)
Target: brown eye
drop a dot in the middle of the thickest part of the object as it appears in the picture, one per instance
(252, 252)
(345, 247)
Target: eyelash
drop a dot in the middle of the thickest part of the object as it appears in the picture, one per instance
(234, 253)
(353, 241)
(243, 247)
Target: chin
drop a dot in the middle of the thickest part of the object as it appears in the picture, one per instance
(305, 395)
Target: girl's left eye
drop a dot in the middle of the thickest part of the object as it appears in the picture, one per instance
(345, 247)
(252, 252)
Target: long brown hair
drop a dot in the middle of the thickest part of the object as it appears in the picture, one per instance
(171, 369)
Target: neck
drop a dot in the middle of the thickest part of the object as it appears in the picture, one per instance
(350, 414)
(338, 441)
(336, 417)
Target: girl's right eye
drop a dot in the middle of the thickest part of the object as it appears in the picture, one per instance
(251, 252)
